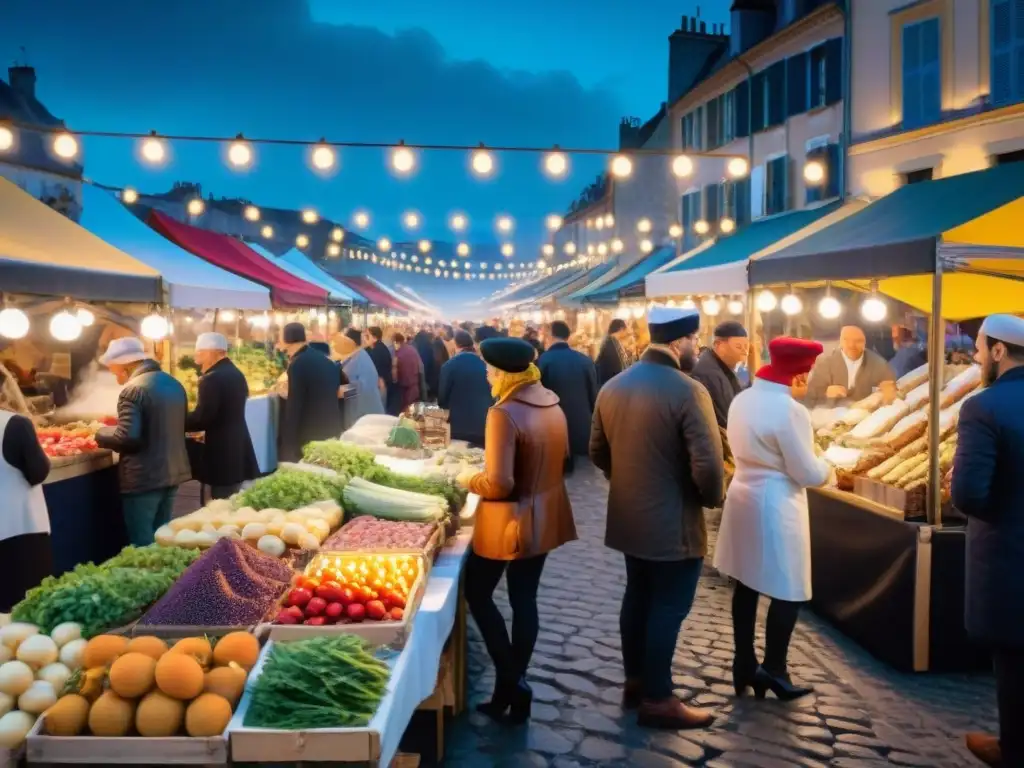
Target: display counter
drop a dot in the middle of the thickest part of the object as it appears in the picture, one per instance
(895, 587)
(261, 416)
(83, 499)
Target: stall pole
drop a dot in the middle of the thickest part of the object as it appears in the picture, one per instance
(754, 352)
(936, 362)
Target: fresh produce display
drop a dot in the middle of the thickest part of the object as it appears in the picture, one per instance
(368, 533)
(404, 435)
(34, 668)
(289, 489)
(104, 596)
(231, 584)
(365, 498)
(342, 457)
(430, 485)
(72, 439)
(330, 681)
(345, 589)
(271, 530)
(140, 687)
(260, 371)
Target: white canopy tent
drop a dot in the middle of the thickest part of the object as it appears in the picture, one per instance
(192, 283)
(295, 263)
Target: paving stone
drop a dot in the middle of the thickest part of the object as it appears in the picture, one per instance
(847, 726)
(904, 758)
(544, 713)
(546, 693)
(845, 713)
(676, 746)
(861, 740)
(600, 750)
(855, 750)
(612, 675)
(578, 683)
(642, 758)
(541, 738)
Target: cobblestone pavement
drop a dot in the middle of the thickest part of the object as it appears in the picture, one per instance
(862, 714)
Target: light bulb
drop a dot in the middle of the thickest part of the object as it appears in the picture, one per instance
(361, 219)
(483, 162)
(267, 231)
(195, 207)
(646, 245)
(85, 317)
(701, 227)
(309, 216)
(766, 301)
(675, 231)
(553, 221)
(64, 326)
(617, 245)
(457, 222)
(129, 195)
(644, 225)
(622, 167)
(599, 223)
(462, 249)
(682, 166)
(333, 249)
(548, 249)
(403, 160)
(6, 138)
(735, 307)
(602, 249)
(791, 304)
(726, 225)
(411, 220)
(505, 224)
(14, 323)
(609, 220)
(301, 241)
(384, 245)
(428, 260)
(738, 167)
(570, 248)
(424, 246)
(66, 146)
(153, 150)
(240, 153)
(873, 310)
(251, 213)
(711, 307)
(154, 326)
(556, 164)
(814, 172)
(337, 234)
(323, 157)
(507, 249)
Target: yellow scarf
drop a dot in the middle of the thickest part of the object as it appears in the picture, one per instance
(506, 384)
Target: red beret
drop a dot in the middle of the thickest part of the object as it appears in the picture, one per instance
(789, 358)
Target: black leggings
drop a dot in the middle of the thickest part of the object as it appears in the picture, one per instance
(782, 616)
(511, 657)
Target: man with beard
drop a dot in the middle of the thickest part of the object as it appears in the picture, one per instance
(655, 437)
(612, 358)
(987, 489)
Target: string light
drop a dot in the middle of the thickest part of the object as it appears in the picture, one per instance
(621, 167)
(153, 150)
(251, 213)
(333, 249)
(617, 245)
(85, 317)
(129, 195)
(267, 231)
(507, 249)
(65, 146)
(384, 244)
(570, 248)
(154, 326)
(675, 231)
(644, 225)
(337, 234)
(791, 304)
(411, 220)
(424, 246)
(548, 249)
(458, 222)
(609, 220)
(462, 249)
(711, 307)
(195, 207)
(403, 160)
(361, 219)
(599, 223)
(323, 157)
(482, 162)
(701, 227)
(309, 216)
(556, 164)
(735, 307)
(766, 301)
(646, 245)
(829, 307)
(64, 326)
(727, 226)
(738, 167)
(14, 323)
(873, 310)
(554, 222)
(602, 249)
(814, 173)
(505, 224)
(6, 138)
(301, 241)
(682, 166)
(240, 153)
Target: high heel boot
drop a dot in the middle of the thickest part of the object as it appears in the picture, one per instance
(743, 677)
(521, 702)
(780, 685)
(500, 702)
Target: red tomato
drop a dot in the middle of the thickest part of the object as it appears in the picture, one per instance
(355, 612)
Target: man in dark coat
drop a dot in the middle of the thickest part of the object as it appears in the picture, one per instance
(986, 488)
(570, 375)
(423, 342)
(656, 439)
(311, 409)
(464, 391)
(716, 368)
(225, 458)
(373, 339)
(611, 359)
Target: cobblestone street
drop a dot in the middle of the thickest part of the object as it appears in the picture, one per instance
(862, 714)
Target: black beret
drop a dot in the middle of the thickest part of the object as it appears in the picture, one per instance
(294, 333)
(485, 332)
(321, 346)
(730, 329)
(508, 354)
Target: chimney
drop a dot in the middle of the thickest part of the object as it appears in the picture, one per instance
(629, 131)
(689, 49)
(752, 21)
(23, 80)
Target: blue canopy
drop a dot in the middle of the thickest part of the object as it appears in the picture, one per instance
(632, 278)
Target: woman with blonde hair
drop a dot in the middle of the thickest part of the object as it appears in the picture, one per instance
(524, 514)
(358, 366)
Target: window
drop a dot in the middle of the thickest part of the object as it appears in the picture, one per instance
(739, 198)
(817, 77)
(828, 187)
(741, 101)
(1006, 43)
(713, 204)
(775, 94)
(713, 110)
(922, 80)
(757, 102)
(691, 210)
(776, 185)
(796, 84)
(921, 174)
(728, 113)
(698, 128)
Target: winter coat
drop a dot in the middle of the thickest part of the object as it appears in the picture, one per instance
(408, 375)
(987, 488)
(764, 540)
(831, 370)
(423, 342)
(654, 436)
(610, 360)
(226, 456)
(150, 432)
(311, 409)
(524, 509)
(362, 373)
(720, 382)
(571, 375)
(464, 391)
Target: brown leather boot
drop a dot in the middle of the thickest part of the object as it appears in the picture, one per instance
(632, 693)
(985, 748)
(672, 714)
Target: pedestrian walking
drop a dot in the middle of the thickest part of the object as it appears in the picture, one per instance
(612, 358)
(655, 438)
(986, 488)
(225, 458)
(358, 368)
(373, 339)
(407, 373)
(463, 390)
(524, 514)
(149, 438)
(311, 409)
(716, 367)
(765, 540)
(572, 376)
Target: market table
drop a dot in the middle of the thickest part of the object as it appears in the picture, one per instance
(261, 417)
(895, 587)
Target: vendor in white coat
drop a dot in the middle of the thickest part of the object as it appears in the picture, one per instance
(765, 542)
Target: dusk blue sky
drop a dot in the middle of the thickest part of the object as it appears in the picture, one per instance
(532, 72)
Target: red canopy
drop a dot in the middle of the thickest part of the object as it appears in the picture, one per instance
(286, 290)
(373, 294)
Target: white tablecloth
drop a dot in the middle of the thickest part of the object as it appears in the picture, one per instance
(261, 418)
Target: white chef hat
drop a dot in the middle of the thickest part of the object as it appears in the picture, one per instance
(1005, 328)
(211, 341)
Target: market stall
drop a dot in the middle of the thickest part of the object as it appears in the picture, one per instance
(291, 262)
(888, 552)
(374, 293)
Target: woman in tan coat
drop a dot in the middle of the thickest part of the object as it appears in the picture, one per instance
(524, 514)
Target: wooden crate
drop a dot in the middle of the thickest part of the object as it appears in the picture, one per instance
(881, 493)
(178, 632)
(126, 750)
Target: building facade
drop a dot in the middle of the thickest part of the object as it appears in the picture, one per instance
(948, 98)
